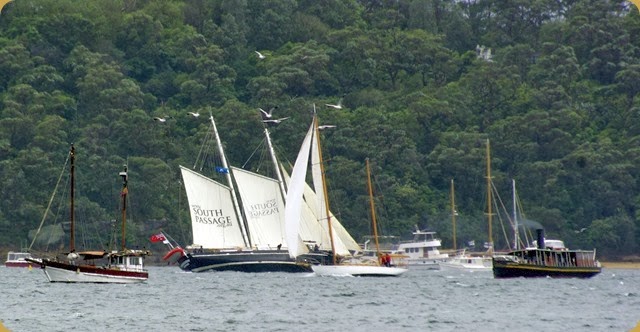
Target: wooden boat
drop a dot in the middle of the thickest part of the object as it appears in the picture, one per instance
(462, 260)
(96, 266)
(342, 262)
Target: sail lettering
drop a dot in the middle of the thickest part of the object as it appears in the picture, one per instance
(211, 216)
(267, 208)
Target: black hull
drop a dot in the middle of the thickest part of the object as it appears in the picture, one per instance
(255, 261)
(520, 270)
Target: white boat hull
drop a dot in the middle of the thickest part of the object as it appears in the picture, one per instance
(357, 270)
(475, 265)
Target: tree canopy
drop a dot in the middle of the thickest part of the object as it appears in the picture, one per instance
(423, 83)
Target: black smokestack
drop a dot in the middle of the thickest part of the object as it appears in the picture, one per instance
(540, 233)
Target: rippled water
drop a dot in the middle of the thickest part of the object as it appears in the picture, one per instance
(421, 300)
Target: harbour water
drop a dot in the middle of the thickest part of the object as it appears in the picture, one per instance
(420, 300)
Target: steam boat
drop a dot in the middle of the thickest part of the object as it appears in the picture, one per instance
(552, 260)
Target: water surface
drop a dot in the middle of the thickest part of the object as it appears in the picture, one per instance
(420, 300)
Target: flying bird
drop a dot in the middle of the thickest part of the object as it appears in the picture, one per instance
(163, 119)
(326, 126)
(260, 56)
(336, 106)
(269, 114)
(194, 114)
(276, 121)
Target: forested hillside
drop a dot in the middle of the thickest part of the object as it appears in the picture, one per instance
(423, 83)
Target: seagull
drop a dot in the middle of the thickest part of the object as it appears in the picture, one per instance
(194, 114)
(581, 230)
(336, 106)
(326, 126)
(276, 121)
(159, 119)
(269, 114)
(260, 56)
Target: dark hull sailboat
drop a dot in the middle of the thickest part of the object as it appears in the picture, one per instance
(124, 266)
(248, 261)
(247, 237)
(542, 262)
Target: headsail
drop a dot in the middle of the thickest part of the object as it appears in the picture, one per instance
(293, 209)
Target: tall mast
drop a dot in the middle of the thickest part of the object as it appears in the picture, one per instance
(516, 236)
(274, 159)
(373, 210)
(324, 184)
(72, 170)
(489, 214)
(123, 194)
(453, 214)
(243, 226)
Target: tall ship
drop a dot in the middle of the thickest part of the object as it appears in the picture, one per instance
(239, 225)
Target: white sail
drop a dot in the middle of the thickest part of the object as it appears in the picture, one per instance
(293, 209)
(310, 230)
(342, 240)
(263, 207)
(213, 219)
(310, 221)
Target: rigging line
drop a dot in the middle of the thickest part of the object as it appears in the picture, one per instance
(59, 209)
(205, 143)
(50, 201)
(504, 209)
(253, 153)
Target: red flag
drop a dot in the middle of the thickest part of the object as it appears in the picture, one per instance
(158, 237)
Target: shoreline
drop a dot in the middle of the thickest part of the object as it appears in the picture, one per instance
(620, 265)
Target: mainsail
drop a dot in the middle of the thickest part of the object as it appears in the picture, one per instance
(263, 206)
(214, 221)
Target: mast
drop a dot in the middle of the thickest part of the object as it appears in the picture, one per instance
(453, 214)
(243, 225)
(373, 210)
(123, 194)
(516, 236)
(324, 185)
(489, 214)
(274, 159)
(72, 171)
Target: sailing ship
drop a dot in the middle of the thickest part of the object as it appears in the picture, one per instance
(245, 235)
(99, 266)
(462, 260)
(343, 262)
(547, 258)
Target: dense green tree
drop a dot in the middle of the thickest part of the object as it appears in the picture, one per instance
(423, 84)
